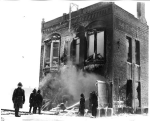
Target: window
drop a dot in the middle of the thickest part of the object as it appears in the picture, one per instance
(137, 52)
(129, 49)
(91, 45)
(55, 53)
(98, 41)
(77, 50)
(47, 55)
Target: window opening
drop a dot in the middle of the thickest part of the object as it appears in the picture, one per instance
(137, 52)
(129, 49)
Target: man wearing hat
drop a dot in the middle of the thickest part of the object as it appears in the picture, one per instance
(32, 100)
(18, 98)
(82, 105)
(39, 100)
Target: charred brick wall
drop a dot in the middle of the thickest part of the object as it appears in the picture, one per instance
(118, 24)
(126, 24)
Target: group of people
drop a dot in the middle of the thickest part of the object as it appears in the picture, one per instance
(18, 99)
(93, 104)
(35, 101)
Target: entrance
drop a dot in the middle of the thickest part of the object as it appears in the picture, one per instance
(129, 93)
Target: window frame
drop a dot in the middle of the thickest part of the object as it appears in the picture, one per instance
(129, 48)
(137, 52)
(95, 37)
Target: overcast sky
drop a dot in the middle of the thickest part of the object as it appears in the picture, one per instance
(20, 36)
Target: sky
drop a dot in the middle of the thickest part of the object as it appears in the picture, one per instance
(20, 37)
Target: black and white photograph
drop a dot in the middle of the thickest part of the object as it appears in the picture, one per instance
(65, 60)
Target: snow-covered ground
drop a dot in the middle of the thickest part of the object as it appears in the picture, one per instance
(42, 117)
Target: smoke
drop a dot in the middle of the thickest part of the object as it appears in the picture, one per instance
(70, 83)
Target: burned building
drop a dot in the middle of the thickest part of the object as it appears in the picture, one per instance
(103, 39)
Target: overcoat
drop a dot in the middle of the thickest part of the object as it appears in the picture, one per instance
(32, 100)
(39, 100)
(82, 105)
(18, 98)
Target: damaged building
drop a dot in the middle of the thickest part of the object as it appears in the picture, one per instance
(103, 39)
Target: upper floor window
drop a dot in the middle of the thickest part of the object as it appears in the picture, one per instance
(77, 51)
(96, 43)
(137, 52)
(129, 49)
(91, 44)
(100, 43)
(47, 55)
(55, 52)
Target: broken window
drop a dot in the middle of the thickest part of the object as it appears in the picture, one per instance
(47, 55)
(137, 72)
(139, 93)
(129, 49)
(91, 45)
(100, 43)
(77, 50)
(55, 53)
(137, 52)
(129, 93)
(96, 38)
(129, 71)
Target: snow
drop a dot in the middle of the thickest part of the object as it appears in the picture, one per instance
(37, 117)
(72, 116)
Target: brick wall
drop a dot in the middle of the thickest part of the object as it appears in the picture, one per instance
(116, 50)
(120, 55)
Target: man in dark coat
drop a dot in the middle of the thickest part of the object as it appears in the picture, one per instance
(32, 100)
(90, 102)
(82, 105)
(18, 98)
(94, 104)
(39, 100)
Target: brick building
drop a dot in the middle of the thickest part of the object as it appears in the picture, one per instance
(106, 40)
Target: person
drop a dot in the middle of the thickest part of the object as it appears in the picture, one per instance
(18, 98)
(32, 100)
(94, 104)
(82, 105)
(39, 100)
(90, 102)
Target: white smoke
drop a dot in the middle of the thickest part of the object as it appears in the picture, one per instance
(71, 82)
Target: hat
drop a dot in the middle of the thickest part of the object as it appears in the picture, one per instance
(20, 84)
(34, 90)
(38, 91)
(82, 95)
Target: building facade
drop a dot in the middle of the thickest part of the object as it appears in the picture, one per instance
(106, 40)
